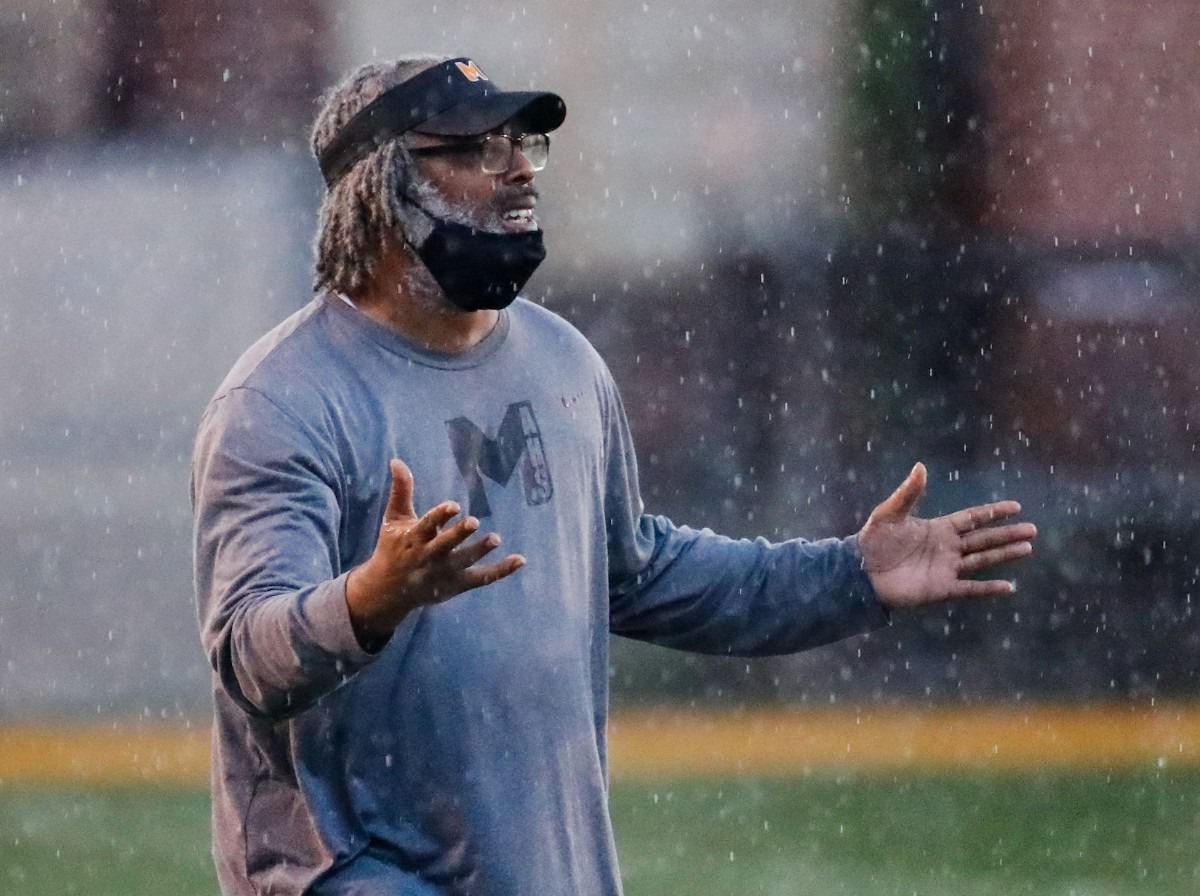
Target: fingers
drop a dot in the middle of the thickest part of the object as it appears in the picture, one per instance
(486, 573)
(470, 554)
(449, 547)
(973, 518)
(450, 538)
(973, 563)
(400, 499)
(996, 536)
(988, 588)
(428, 526)
(904, 499)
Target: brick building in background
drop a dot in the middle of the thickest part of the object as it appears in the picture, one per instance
(1094, 165)
(1094, 132)
(1049, 289)
(1041, 344)
(222, 71)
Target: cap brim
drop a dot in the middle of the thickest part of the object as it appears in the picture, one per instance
(538, 113)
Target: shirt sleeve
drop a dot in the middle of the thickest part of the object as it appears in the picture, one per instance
(271, 595)
(698, 591)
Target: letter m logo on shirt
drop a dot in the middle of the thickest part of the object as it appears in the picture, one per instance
(518, 443)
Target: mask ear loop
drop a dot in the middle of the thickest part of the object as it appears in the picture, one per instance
(416, 221)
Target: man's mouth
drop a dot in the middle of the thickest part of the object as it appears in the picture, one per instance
(519, 220)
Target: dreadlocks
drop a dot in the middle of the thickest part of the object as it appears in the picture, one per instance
(364, 206)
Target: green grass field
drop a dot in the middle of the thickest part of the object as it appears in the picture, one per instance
(1059, 833)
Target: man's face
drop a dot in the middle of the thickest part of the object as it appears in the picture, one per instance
(455, 186)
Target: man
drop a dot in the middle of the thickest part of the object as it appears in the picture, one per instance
(398, 710)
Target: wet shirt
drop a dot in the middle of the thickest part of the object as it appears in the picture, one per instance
(468, 755)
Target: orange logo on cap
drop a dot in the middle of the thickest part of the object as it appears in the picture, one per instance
(471, 70)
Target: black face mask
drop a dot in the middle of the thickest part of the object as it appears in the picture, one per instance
(478, 270)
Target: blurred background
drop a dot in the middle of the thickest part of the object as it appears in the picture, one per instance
(816, 241)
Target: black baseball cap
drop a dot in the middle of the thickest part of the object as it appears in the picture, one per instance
(453, 98)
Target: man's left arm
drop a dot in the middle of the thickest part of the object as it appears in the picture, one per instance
(698, 591)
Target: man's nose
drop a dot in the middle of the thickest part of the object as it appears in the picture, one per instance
(519, 170)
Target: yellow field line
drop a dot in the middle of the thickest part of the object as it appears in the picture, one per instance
(115, 753)
(668, 742)
(791, 741)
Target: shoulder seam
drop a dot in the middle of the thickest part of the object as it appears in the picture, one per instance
(292, 418)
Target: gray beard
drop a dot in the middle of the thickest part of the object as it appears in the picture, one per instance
(422, 206)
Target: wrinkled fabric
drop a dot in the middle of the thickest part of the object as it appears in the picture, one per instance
(467, 756)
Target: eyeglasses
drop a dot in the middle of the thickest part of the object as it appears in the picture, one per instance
(495, 151)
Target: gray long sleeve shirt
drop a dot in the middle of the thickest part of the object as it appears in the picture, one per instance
(468, 755)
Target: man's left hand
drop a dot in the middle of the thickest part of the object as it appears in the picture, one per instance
(913, 561)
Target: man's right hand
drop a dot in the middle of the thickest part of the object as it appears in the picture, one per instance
(418, 561)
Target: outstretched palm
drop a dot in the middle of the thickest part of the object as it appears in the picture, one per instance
(418, 560)
(913, 561)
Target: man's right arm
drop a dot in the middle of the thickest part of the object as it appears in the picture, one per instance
(283, 623)
(270, 589)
